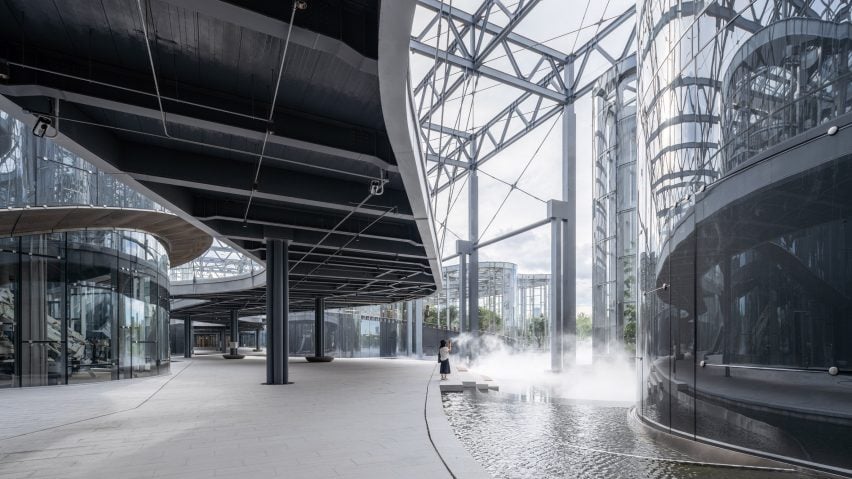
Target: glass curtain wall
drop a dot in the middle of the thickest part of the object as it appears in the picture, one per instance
(614, 212)
(533, 309)
(37, 172)
(744, 208)
(83, 307)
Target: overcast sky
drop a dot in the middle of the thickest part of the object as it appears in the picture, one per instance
(530, 251)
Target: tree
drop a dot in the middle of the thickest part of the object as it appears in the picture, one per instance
(489, 320)
(538, 328)
(431, 315)
(584, 326)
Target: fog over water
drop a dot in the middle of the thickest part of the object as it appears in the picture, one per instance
(528, 373)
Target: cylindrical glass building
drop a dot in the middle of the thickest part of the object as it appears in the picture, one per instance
(745, 196)
(84, 287)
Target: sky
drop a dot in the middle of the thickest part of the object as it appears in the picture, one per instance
(542, 151)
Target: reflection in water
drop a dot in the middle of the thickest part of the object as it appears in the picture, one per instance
(538, 436)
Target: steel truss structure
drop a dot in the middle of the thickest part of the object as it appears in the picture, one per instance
(463, 48)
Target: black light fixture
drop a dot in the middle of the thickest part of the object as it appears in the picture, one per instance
(41, 126)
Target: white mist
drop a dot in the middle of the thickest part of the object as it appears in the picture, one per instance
(528, 372)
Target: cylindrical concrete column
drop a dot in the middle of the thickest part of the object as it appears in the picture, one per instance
(277, 306)
(319, 327)
(188, 339)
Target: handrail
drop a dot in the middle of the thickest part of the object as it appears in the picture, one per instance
(833, 370)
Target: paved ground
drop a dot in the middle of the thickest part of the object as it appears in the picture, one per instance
(355, 418)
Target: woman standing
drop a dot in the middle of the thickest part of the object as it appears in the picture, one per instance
(444, 358)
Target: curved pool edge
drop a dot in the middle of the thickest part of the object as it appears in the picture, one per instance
(719, 453)
(455, 456)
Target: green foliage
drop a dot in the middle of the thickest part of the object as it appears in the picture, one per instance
(584, 326)
(538, 328)
(489, 320)
(430, 316)
(630, 332)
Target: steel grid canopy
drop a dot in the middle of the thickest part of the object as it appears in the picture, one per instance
(178, 96)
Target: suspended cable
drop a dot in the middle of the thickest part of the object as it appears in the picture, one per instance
(514, 185)
(340, 248)
(332, 230)
(297, 5)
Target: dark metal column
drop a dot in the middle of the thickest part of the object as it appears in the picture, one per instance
(418, 328)
(277, 306)
(409, 330)
(235, 327)
(319, 327)
(187, 338)
(257, 339)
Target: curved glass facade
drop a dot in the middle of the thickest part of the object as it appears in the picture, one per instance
(37, 172)
(79, 306)
(744, 202)
(614, 211)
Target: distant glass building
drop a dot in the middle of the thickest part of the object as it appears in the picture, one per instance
(614, 211)
(509, 303)
(745, 196)
(84, 261)
(533, 309)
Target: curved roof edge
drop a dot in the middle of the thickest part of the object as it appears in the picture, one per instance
(218, 285)
(395, 23)
(183, 241)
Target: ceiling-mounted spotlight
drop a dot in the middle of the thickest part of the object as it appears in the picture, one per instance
(301, 5)
(41, 126)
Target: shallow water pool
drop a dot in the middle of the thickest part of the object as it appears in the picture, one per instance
(533, 436)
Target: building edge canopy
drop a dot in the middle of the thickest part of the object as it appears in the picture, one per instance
(395, 21)
(183, 241)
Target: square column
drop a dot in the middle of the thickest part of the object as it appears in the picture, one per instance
(277, 309)
(569, 223)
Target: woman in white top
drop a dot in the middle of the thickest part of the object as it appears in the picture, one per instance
(444, 358)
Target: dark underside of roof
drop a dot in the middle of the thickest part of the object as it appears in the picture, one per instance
(85, 63)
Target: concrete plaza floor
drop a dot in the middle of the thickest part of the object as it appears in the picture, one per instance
(351, 418)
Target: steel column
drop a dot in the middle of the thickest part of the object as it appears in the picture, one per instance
(257, 339)
(473, 236)
(187, 338)
(319, 327)
(235, 327)
(447, 298)
(569, 224)
(462, 292)
(277, 306)
(556, 294)
(418, 328)
(409, 314)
